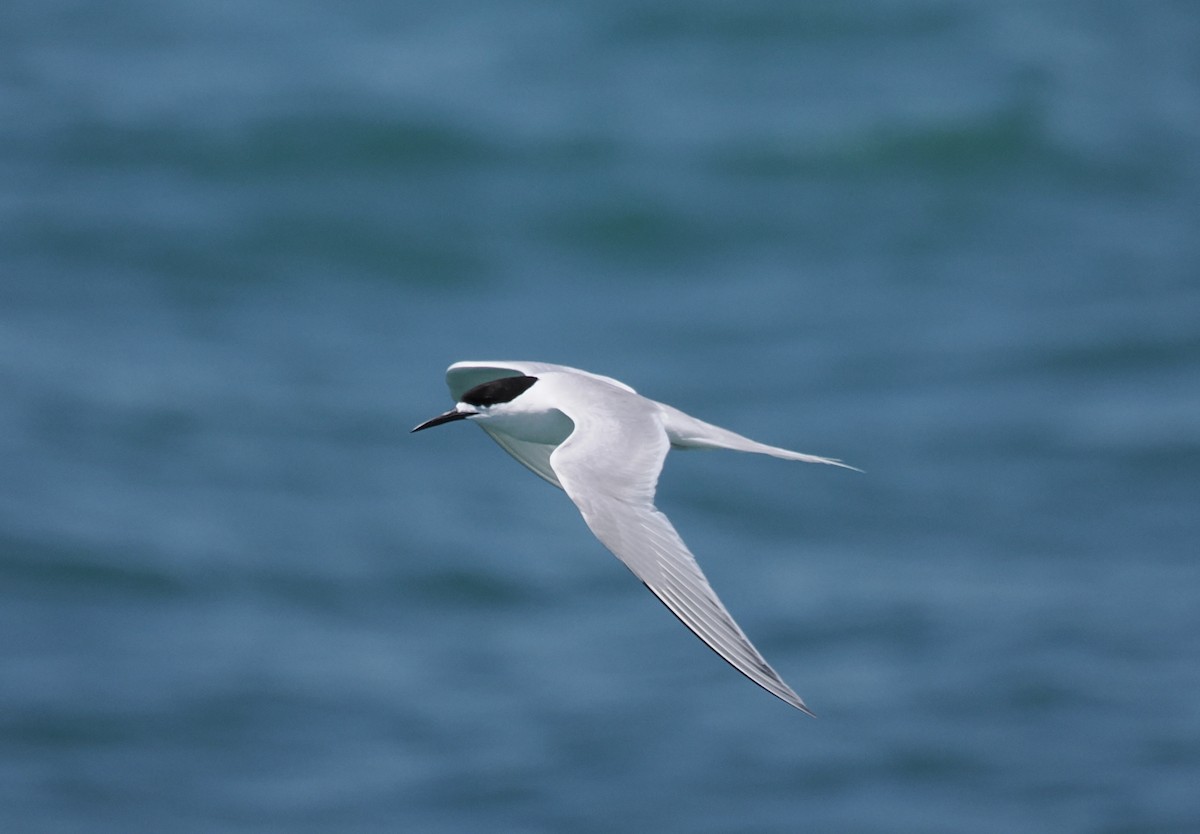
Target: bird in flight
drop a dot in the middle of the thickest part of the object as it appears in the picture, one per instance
(604, 445)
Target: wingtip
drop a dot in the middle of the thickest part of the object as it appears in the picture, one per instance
(789, 697)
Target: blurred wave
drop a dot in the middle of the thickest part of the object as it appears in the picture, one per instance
(951, 244)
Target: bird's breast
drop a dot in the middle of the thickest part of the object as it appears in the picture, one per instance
(550, 426)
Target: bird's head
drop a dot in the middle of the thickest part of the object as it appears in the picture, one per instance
(483, 399)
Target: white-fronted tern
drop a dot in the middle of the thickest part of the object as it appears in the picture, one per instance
(604, 445)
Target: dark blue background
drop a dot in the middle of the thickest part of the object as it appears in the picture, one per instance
(954, 244)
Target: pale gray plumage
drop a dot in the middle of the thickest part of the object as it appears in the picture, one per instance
(607, 459)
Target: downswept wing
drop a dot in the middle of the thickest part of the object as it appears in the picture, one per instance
(610, 470)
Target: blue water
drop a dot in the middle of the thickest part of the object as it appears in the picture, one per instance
(955, 244)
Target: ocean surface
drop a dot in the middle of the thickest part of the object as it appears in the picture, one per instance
(955, 244)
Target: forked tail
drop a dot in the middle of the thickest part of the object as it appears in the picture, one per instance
(686, 432)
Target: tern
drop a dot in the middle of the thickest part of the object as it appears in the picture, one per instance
(604, 445)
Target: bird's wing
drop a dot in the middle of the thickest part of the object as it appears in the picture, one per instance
(534, 456)
(609, 466)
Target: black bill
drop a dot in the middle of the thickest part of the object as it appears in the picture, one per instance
(448, 417)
